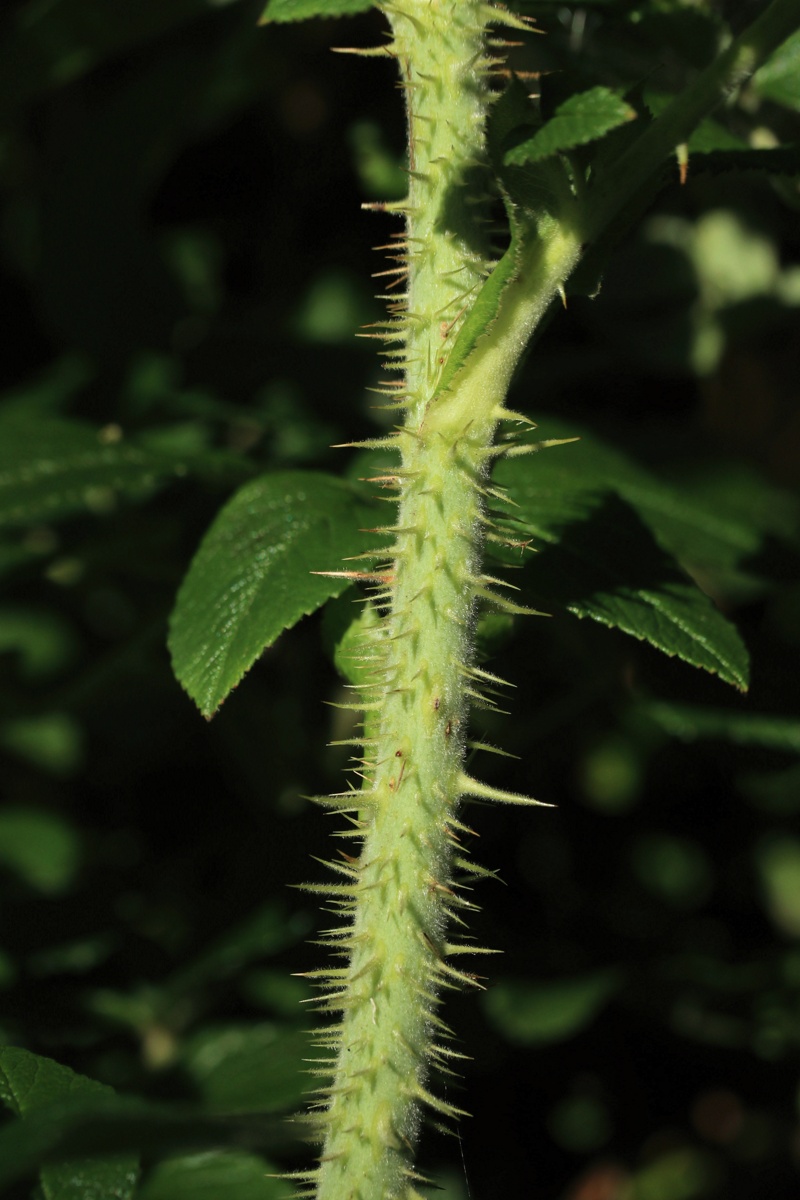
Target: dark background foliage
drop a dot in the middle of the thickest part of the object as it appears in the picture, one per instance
(184, 259)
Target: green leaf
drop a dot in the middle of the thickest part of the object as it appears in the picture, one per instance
(530, 1014)
(8, 970)
(301, 10)
(724, 517)
(51, 469)
(743, 728)
(53, 742)
(779, 78)
(263, 933)
(707, 136)
(212, 1175)
(714, 148)
(684, 1174)
(582, 118)
(596, 558)
(531, 196)
(42, 642)
(40, 848)
(254, 575)
(115, 1125)
(778, 862)
(30, 1085)
(674, 869)
(346, 631)
(480, 318)
(248, 1068)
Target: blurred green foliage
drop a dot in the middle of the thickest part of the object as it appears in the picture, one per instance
(184, 264)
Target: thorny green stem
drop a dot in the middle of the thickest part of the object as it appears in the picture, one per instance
(402, 889)
(400, 895)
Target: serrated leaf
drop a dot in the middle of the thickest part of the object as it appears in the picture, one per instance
(51, 469)
(254, 575)
(301, 10)
(726, 517)
(31, 1085)
(551, 1011)
(593, 515)
(534, 192)
(604, 564)
(779, 78)
(582, 118)
(29, 1082)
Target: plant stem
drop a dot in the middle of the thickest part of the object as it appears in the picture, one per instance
(400, 894)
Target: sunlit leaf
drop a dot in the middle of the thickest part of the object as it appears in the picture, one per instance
(255, 575)
(582, 118)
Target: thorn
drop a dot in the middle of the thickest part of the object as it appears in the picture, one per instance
(486, 746)
(371, 576)
(365, 51)
(391, 206)
(482, 791)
